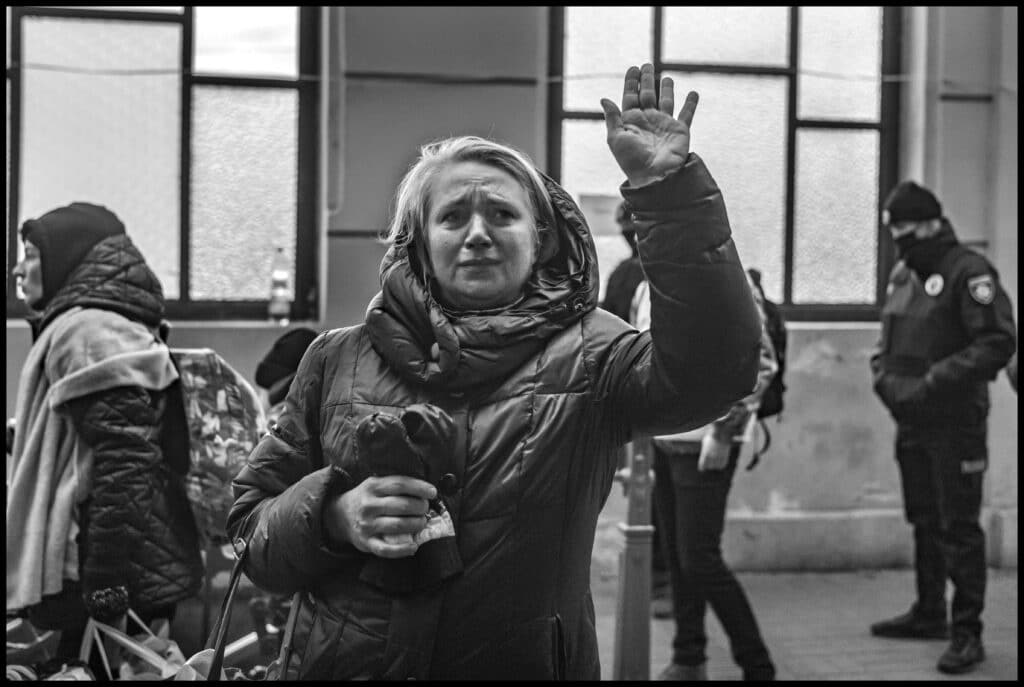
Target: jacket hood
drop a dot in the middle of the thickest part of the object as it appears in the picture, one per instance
(113, 275)
(436, 347)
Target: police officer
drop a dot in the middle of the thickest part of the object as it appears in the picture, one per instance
(947, 331)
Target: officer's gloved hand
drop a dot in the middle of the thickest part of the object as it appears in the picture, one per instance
(905, 396)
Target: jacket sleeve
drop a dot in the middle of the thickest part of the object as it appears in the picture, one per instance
(732, 425)
(122, 427)
(281, 492)
(987, 318)
(701, 353)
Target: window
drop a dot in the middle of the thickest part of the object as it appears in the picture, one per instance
(796, 121)
(196, 125)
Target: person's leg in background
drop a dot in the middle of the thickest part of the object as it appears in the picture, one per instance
(704, 496)
(919, 478)
(688, 658)
(961, 461)
(699, 574)
(661, 582)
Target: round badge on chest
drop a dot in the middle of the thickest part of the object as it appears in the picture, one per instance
(933, 285)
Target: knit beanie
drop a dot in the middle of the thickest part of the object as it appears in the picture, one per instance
(281, 362)
(909, 202)
(64, 236)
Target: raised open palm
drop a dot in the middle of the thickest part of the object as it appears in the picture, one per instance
(646, 140)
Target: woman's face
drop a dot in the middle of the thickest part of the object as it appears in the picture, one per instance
(481, 236)
(29, 273)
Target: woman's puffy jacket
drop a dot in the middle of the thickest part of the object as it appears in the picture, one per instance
(541, 395)
(137, 530)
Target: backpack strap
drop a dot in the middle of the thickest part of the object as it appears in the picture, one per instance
(764, 447)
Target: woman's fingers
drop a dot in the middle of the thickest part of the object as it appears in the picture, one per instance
(689, 107)
(397, 505)
(667, 98)
(612, 116)
(630, 86)
(648, 97)
(400, 485)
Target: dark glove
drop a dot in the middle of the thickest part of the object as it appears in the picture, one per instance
(420, 443)
(905, 397)
(106, 604)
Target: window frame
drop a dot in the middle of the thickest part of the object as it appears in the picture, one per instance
(306, 84)
(887, 126)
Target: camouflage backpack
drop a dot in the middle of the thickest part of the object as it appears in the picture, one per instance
(214, 426)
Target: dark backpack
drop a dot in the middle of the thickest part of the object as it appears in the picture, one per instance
(772, 399)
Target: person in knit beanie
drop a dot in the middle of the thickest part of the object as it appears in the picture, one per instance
(63, 237)
(277, 368)
(947, 330)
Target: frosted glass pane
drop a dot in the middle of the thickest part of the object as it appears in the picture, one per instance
(600, 44)
(732, 35)
(244, 187)
(739, 130)
(108, 139)
(247, 40)
(840, 63)
(836, 224)
(589, 171)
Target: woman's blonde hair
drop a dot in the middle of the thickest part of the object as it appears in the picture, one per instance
(413, 196)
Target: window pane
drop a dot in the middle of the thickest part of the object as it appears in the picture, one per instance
(247, 40)
(109, 139)
(739, 130)
(600, 44)
(836, 223)
(733, 35)
(591, 176)
(244, 188)
(840, 63)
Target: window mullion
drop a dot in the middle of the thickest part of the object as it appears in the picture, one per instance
(185, 193)
(790, 205)
(14, 153)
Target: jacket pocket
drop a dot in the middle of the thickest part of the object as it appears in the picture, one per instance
(339, 648)
(533, 650)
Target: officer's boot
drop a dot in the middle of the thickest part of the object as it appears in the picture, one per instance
(964, 652)
(914, 624)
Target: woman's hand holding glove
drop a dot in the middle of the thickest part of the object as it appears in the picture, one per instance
(377, 507)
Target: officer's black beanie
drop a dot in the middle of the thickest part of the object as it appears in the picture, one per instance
(910, 202)
(282, 360)
(64, 236)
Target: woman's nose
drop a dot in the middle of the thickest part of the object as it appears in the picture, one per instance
(478, 234)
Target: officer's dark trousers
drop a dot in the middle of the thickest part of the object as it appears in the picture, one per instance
(942, 471)
(691, 516)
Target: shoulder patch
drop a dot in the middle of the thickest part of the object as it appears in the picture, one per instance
(933, 285)
(982, 289)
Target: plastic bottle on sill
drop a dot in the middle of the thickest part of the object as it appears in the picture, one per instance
(280, 305)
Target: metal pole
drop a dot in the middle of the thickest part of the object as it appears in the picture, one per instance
(632, 659)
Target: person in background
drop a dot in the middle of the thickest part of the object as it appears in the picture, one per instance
(487, 311)
(628, 274)
(947, 331)
(692, 476)
(275, 371)
(97, 516)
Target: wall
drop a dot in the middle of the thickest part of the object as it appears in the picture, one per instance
(827, 494)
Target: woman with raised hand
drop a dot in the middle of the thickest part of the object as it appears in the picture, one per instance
(487, 311)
